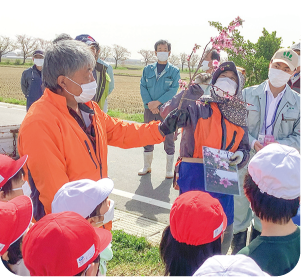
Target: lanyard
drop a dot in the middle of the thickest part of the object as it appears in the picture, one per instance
(274, 116)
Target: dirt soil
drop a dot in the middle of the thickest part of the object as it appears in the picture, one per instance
(125, 96)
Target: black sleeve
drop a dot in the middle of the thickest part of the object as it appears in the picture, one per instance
(244, 146)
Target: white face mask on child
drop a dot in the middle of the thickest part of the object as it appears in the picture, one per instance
(26, 189)
(109, 215)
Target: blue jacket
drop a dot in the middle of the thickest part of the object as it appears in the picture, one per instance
(161, 88)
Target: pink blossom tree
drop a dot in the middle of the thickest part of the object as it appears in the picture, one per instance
(223, 41)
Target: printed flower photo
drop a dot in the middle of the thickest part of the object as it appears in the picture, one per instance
(220, 177)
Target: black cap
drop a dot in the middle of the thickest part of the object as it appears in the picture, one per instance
(229, 66)
(226, 66)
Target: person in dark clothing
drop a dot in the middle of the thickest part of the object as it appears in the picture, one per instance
(31, 80)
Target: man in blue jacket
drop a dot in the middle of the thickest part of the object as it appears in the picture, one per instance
(159, 83)
(31, 80)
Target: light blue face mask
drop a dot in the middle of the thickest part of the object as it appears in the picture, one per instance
(105, 255)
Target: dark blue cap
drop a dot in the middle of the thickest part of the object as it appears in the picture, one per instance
(86, 39)
(38, 52)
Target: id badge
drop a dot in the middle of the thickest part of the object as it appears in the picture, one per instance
(268, 139)
(261, 138)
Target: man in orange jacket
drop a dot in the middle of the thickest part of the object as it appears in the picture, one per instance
(64, 134)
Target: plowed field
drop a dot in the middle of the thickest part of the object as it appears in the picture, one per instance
(125, 96)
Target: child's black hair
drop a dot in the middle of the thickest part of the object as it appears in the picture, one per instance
(14, 251)
(268, 207)
(7, 188)
(181, 259)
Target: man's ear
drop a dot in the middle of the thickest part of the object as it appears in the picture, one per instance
(61, 81)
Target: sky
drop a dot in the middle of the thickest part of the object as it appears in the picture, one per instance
(138, 24)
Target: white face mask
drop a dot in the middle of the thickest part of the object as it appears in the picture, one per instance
(109, 215)
(88, 91)
(38, 62)
(205, 65)
(26, 189)
(162, 56)
(278, 78)
(227, 85)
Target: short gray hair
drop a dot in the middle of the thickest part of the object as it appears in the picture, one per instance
(65, 58)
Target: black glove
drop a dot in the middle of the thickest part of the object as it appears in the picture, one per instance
(196, 90)
(176, 118)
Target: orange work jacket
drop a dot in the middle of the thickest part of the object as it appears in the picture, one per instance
(59, 151)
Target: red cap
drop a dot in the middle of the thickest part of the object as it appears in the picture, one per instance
(197, 218)
(9, 167)
(15, 217)
(62, 244)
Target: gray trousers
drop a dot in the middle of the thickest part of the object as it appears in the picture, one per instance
(243, 214)
(169, 144)
(228, 235)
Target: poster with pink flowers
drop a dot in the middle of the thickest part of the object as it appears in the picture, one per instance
(220, 177)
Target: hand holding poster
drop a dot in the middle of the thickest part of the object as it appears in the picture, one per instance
(220, 177)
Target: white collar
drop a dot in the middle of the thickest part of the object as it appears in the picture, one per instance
(268, 90)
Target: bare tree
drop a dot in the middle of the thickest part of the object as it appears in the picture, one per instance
(183, 59)
(148, 56)
(174, 59)
(105, 52)
(6, 45)
(27, 45)
(120, 54)
(43, 43)
(194, 60)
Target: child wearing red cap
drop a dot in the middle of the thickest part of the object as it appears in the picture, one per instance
(11, 178)
(197, 223)
(15, 218)
(64, 244)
